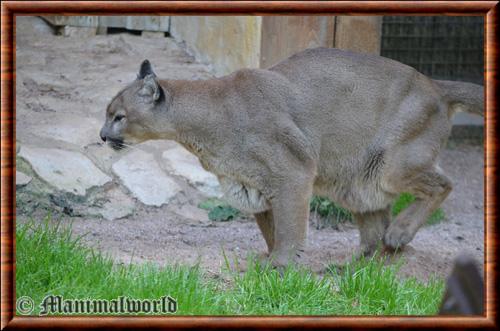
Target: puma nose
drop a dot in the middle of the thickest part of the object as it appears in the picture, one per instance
(103, 136)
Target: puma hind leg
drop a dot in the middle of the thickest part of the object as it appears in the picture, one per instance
(430, 189)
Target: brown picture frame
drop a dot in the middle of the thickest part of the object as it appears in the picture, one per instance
(489, 9)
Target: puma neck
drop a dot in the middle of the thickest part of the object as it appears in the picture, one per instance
(193, 114)
(193, 145)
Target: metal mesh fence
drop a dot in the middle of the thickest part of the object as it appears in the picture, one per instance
(442, 47)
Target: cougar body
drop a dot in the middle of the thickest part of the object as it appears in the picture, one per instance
(359, 129)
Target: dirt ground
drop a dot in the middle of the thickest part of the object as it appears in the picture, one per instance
(74, 77)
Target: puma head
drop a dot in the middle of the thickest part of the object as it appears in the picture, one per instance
(133, 114)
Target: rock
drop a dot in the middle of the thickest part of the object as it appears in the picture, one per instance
(102, 155)
(108, 202)
(153, 34)
(62, 127)
(34, 25)
(184, 164)
(67, 171)
(22, 179)
(116, 204)
(79, 31)
(142, 175)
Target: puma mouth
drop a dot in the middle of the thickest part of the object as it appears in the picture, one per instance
(116, 144)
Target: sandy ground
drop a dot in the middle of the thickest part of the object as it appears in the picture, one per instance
(75, 76)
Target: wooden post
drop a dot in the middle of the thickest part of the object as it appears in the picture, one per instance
(358, 33)
(283, 36)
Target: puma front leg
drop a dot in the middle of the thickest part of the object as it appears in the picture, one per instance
(290, 210)
(372, 227)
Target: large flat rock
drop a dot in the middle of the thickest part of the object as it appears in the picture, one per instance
(67, 171)
(182, 163)
(142, 175)
(22, 179)
(70, 128)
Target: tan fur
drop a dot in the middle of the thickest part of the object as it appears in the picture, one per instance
(360, 129)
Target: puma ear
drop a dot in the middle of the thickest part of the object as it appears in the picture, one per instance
(150, 88)
(145, 70)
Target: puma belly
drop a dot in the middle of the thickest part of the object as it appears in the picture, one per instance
(243, 197)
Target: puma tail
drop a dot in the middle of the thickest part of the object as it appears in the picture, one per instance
(462, 96)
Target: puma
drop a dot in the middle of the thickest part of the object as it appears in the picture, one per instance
(359, 129)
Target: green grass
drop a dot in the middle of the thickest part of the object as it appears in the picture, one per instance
(50, 261)
(262, 290)
(369, 287)
(364, 287)
(334, 214)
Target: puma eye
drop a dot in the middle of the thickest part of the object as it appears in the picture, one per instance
(119, 118)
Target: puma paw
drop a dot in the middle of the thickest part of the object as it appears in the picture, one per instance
(278, 262)
(263, 259)
(281, 261)
(366, 252)
(397, 238)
